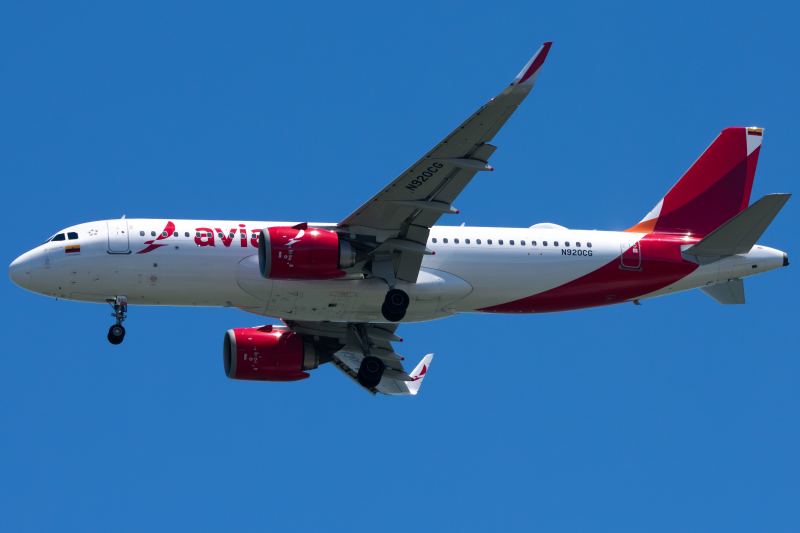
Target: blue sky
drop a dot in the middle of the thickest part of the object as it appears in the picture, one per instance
(681, 414)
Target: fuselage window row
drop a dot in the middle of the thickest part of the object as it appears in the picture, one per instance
(445, 240)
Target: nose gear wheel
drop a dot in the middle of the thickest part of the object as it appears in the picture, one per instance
(116, 333)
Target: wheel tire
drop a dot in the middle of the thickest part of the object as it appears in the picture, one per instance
(115, 334)
(392, 316)
(396, 301)
(370, 372)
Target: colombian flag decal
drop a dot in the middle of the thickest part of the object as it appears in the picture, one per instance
(75, 248)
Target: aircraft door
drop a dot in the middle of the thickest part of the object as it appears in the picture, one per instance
(631, 255)
(118, 236)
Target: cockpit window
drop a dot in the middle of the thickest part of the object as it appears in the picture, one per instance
(72, 235)
(59, 237)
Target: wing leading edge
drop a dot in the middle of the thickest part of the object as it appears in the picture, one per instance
(402, 213)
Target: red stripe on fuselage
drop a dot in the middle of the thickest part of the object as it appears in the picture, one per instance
(662, 265)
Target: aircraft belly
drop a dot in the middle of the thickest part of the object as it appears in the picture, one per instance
(503, 276)
(354, 300)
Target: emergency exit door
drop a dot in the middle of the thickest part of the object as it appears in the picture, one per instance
(631, 255)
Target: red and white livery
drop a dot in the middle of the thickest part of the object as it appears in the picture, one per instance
(341, 290)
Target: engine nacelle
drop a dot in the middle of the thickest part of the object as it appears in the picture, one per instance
(261, 354)
(302, 253)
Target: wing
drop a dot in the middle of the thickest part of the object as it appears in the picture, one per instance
(402, 213)
(345, 345)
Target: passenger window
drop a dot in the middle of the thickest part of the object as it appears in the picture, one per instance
(175, 234)
(566, 243)
(219, 234)
(588, 245)
(488, 241)
(500, 241)
(578, 244)
(434, 239)
(164, 233)
(455, 241)
(544, 243)
(522, 243)
(209, 234)
(444, 240)
(466, 241)
(533, 243)
(72, 235)
(59, 237)
(186, 234)
(141, 234)
(511, 243)
(152, 233)
(197, 234)
(555, 243)
(478, 241)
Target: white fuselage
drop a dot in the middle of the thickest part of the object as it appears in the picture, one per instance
(466, 274)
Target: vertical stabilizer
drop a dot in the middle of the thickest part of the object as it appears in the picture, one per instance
(715, 189)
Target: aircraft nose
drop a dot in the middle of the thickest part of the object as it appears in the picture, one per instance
(785, 259)
(20, 271)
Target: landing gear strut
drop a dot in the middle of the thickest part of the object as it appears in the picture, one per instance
(396, 302)
(371, 370)
(116, 333)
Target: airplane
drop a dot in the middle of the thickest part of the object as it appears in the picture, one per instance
(341, 290)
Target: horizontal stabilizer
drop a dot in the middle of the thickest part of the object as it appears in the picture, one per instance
(728, 293)
(740, 233)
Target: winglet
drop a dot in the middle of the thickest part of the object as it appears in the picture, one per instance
(419, 374)
(529, 74)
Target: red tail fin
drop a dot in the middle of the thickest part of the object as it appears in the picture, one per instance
(715, 189)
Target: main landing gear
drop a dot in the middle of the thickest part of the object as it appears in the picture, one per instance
(395, 305)
(396, 302)
(116, 333)
(371, 370)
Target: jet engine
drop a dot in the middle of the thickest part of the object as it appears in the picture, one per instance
(302, 253)
(264, 354)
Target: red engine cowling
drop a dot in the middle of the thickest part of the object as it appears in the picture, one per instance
(302, 253)
(261, 354)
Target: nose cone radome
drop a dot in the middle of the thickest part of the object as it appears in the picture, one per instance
(20, 271)
(785, 259)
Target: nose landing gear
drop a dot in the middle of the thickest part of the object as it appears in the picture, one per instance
(116, 333)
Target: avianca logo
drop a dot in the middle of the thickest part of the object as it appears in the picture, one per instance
(206, 237)
(422, 372)
(168, 230)
(297, 238)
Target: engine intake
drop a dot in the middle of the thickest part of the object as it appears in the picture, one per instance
(302, 253)
(261, 354)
